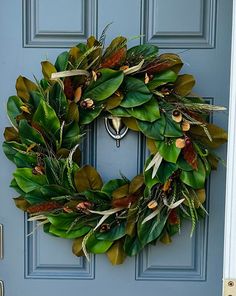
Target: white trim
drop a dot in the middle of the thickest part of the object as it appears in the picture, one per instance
(229, 270)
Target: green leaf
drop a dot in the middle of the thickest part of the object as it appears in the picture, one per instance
(168, 150)
(11, 134)
(161, 79)
(97, 246)
(165, 170)
(64, 221)
(48, 69)
(87, 178)
(120, 112)
(29, 135)
(72, 113)
(15, 186)
(183, 165)
(184, 84)
(172, 128)
(71, 136)
(196, 178)
(132, 245)
(62, 61)
(88, 115)
(71, 234)
(11, 148)
(115, 233)
(136, 93)
(22, 160)
(105, 85)
(27, 181)
(145, 51)
(57, 100)
(147, 112)
(116, 253)
(47, 118)
(24, 87)
(152, 229)
(154, 130)
(112, 185)
(98, 197)
(13, 108)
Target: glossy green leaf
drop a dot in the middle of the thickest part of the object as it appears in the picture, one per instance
(105, 85)
(62, 61)
(136, 93)
(168, 150)
(27, 181)
(71, 136)
(165, 170)
(120, 112)
(147, 112)
(22, 160)
(154, 130)
(71, 234)
(152, 229)
(172, 128)
(112, 185)
(184, 84)
(72, 113)
(87, 178)
(98, 197)
(116, 232)
(161, 79)
(11, 148)
(89, 115)
(132, 245)
(63, 220)
(196, 178)
(116, 253)
(97, 246)
(47, 118)
(145, 51)
(58, 100)
(13, 108)
(29, 135)
(183, 165)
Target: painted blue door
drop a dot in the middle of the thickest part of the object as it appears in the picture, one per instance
(32, 30)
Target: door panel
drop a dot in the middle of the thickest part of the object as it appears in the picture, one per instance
(33, 30)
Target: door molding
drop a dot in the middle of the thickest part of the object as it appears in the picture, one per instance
(229, 269)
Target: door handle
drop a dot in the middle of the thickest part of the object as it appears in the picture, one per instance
(1, 242)
(1, 288)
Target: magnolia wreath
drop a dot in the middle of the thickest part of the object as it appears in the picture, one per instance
(145, 92)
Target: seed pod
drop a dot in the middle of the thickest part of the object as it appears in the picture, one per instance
(185, 126)
(67, 210)
(177, 116)
(94, 74)
(152, 205)
(78, 94)
(104, 227)
(124, 68)
(180, 143)
(87, 104)
(84, 205)
(38, 170)
(166, 185)
(146, 79)
(25, 109)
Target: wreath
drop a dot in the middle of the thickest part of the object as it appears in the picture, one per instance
(134, 88)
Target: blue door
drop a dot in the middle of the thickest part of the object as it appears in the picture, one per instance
(34, 30)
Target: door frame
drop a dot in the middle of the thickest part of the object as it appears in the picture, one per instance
(229, 267)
